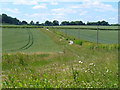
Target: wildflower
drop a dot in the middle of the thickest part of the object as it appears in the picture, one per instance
(83, 68)
(91, 71)
(60, 39)
(91, 64)
(107, 70)
(78, 56)
(70, 42)
(80, 62)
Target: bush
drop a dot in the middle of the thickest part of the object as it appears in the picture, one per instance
(78, 42)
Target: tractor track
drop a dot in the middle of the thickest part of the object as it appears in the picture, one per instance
(29, 43)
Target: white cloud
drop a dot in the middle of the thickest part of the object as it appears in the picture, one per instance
(44, 16)
(111, 18)
(54, 3)
(25, 2)
(42, 6)
(83, 13)
(58, 10)
(61, 0)
(98, 6)
(16, 11)
(69, 10)
(41, 17)
(63, 10)
(58, 14)
(36, 15)
(104, 7)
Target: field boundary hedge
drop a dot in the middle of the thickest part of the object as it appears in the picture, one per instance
(21, 27)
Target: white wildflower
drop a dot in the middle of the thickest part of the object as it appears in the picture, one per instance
(91, 64)
(80, 62)
(60, 39)
(107, 70)
(70, 42)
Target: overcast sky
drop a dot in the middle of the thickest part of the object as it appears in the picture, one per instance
(42, 10)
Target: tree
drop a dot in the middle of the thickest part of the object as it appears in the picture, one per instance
(65, 23)
(98, 23)
(24, 23)
(72, 23)
(42, 24)
(31, 23)
(104, 23)
(10, 20)
(55, 23)
(79, 23)
(48, 23)
(37, 23)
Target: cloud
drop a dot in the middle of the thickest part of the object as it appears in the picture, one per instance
(111, 18)
(104, 7)
(57, 14)
(58, 10)
(69, 11)
(96, 5)
(54, 3)
(36, 15)
(44, 16)
(63, 10)
(61, 0)
(83, 13)
(42, 6)
(25, 2)
(16, 11)
(41, 17)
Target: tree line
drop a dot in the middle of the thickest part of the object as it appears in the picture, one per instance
(10, 20)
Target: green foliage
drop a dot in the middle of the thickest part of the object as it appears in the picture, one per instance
(104, 23)
(55, 23)
(31, 23)
(48, 23)
(72, 23)
(10, 20)
(24, 23)
(79, 42)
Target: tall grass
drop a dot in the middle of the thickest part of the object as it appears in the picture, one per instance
(79, 72)
(81, 65)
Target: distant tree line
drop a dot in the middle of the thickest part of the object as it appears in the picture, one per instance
(104, 23)
(9, 20)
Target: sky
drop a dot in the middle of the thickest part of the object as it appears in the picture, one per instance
(64, 10)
